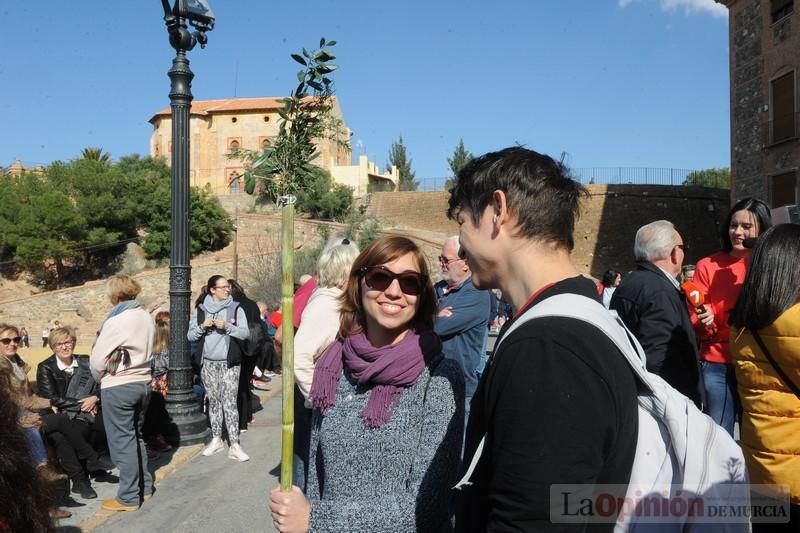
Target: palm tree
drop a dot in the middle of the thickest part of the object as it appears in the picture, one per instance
(95, 154)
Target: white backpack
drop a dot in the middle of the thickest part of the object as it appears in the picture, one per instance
(680, 452)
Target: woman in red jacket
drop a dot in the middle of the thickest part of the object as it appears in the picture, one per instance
(720, 277)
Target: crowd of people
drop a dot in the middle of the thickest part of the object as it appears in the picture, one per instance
(401, 423)
(89, 414)
(556, 403)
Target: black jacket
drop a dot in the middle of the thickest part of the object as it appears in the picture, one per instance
(52, 382)
(656, 313)
(558, 404)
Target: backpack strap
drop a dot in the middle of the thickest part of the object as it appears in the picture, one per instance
(581, 308)
(785, 378)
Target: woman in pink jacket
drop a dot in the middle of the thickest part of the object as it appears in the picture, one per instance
(120, 362)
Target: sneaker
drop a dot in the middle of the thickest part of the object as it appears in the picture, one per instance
(236, 452)
(114, 505)
(259, 384)
(82, 487)
(215, 446)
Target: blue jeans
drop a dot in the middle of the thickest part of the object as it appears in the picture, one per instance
(36, 445)
(722, 398)
(124, 407)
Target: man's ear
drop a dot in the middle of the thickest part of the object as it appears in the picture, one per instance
(499, 207)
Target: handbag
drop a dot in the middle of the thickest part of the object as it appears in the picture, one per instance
(117, 357)
(781, 374)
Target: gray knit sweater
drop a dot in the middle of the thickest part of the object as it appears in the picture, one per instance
(394, 478)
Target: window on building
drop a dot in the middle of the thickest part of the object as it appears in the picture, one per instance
(783, 108)
(265, 144)
(780, 9)
(236, 184)
(234, 146)
(784, 189)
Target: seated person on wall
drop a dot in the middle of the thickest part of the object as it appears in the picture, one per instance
(66, 380)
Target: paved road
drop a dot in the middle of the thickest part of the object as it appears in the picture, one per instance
(213, 493)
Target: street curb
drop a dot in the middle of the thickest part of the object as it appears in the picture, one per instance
(183, 455)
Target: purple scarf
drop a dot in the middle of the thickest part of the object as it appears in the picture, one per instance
(389, 369)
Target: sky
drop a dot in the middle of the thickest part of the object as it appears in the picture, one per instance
(607, 83)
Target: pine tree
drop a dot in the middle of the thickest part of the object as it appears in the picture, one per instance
(461, 156)
(398, 157)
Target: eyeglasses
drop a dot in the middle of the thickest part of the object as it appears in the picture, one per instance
(445, 261)
(226, 287)
(379, 278)
(65, 344)
(683, 247)
(9, 340)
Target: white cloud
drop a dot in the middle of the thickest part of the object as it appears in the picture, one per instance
(709, 7)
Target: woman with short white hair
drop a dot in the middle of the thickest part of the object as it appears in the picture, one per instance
(318, 327)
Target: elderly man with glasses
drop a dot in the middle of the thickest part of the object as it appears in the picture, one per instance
(463, 317)
(651, 304)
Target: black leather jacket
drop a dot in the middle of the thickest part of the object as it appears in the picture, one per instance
(53, 383)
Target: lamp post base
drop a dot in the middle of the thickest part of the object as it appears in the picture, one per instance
(187, 422)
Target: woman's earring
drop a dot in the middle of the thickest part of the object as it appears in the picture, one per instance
(494, 219)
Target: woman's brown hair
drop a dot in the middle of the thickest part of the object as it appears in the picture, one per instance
(161, 337)
(379, 252)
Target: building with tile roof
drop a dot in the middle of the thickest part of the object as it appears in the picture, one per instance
(219, 127)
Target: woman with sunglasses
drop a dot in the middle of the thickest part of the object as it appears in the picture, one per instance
(216, 324)
(387, 408)
(720, 277)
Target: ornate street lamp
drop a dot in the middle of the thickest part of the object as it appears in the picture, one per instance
(189, 423)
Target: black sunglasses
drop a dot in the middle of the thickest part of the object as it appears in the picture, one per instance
(379, 278)
(7, 340)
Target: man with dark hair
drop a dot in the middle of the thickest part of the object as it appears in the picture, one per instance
(557, 403)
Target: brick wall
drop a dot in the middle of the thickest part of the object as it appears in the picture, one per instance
(604, 234)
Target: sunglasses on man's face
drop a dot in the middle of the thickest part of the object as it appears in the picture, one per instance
(379, 278)
(9, 340)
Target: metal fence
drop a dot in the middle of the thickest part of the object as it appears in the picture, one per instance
(585, 175)
(601, 176)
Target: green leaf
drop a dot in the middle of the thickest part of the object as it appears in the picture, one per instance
(301, 76)
(306, 53)
(249, 183)
(331, 43)
(322, 42)
(315, 85)
(299, 59)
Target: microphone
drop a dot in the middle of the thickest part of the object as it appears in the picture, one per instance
(694, 295)
(750, 242)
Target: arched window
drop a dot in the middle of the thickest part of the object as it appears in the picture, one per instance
(234, 146)
(235, 183)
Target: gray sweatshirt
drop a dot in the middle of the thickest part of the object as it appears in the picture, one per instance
(215, 346)
(395, 478)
